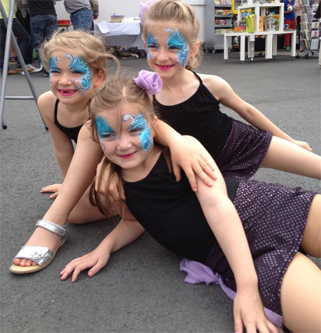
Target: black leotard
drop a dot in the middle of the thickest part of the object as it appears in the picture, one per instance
(200, 117)
(71, 132)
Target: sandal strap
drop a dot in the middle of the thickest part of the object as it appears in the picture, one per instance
(39, 254)
(53, 227)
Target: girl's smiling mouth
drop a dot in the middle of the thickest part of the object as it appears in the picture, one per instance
(127, 156)
(164, 67)
(67, 92)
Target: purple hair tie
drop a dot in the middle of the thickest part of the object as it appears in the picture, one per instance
(149, 81)
(143, 9)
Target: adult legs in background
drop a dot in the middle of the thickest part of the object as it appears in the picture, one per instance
(42, 28)
(25, 22)
(287, 37)
(82, 20)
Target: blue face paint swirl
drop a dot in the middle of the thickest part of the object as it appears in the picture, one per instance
(53, 66)
(140, 125)
(79, 66)
(151, 42)
(176, 40)
(105, 132)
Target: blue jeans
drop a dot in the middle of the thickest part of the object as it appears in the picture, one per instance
(82, 19)
(23, 40)
(42, 28)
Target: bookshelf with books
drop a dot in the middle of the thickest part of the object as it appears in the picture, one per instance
(218, 20)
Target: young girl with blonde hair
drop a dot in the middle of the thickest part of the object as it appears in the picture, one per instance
(77, 64)
(257, 264)
(190, 102)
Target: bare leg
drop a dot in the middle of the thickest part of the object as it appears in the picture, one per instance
(301, 296)
(80, 174)
(286, 156)
(311, 242)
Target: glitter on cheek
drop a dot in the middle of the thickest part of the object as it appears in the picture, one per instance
(178, 41)
(140, 124)
(145, 139)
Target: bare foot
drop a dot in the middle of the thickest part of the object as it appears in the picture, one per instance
(40, 237)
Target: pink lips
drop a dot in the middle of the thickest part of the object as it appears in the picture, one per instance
(66, 92)
(126, 157)
(164, 67)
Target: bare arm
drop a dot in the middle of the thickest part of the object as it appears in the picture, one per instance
(63, 147)
(226, 95)
(124, 233)
(193, 160)
(226, 225)
(81, 172)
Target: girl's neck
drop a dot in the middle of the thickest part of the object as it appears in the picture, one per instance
(143, 170)
(179, 80)
(78, 107)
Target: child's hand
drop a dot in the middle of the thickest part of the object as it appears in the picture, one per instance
(54, 188)
(248, 312)
(190, 155)
(302, 144)
(94, 260)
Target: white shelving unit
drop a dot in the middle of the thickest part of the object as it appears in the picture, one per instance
(259, 10)
(270, 36)
(214, 38)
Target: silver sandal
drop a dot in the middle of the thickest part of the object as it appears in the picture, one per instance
(42, 256)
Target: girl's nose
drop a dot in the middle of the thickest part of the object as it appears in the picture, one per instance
(65, 79)
(162, 54)
(123, 142)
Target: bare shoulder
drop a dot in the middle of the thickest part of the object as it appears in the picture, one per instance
(215, 84)
(46, 104)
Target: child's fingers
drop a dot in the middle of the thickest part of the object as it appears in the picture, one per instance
(238, 325)
(94, 270)
(54, 196)
(208, 169)
(177, 171)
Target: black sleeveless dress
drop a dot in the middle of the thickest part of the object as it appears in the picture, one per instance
(273, 217)
(237, 148)
(71, 132)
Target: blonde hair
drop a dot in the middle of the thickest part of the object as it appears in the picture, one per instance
(112, 97)
(181, 13)
(87, 46)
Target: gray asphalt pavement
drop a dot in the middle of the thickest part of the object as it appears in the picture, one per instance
(141, 289)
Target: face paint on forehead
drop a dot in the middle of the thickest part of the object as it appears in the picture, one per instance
(140, 124)
(79, 65)
(178, 41)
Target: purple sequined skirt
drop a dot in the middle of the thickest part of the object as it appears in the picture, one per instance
(274, 219)
(244, 151)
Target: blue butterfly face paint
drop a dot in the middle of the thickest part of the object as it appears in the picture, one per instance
(79, 66)
(105, 132)
(53, 64)
(139, 125)
(151, 43)
(177, 41)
